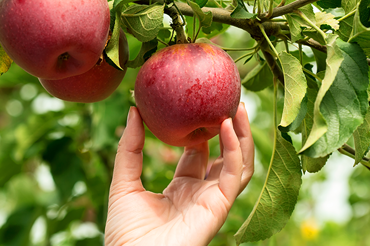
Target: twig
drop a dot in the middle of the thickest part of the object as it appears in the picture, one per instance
(279, 11)
(349, 151)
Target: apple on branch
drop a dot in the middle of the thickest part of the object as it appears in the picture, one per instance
(96, 84)
(54, 39)
(185, 91)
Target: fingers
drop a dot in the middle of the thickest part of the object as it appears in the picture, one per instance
(129, 158)
(193, 162)
(231, 172)
(243, 131)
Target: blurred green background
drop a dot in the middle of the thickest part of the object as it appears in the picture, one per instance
(56, 161)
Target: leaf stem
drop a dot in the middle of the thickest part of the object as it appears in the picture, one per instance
(161, 41)
(348, 15)
(278, 20)
(271, 9)
(276, 85)
(194, 26)
(304, 17)
(268, 40)
(312, 74)
(245, 55)
(239, 49)
(196, 35)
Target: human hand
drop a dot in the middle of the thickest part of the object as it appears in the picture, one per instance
(195, 205)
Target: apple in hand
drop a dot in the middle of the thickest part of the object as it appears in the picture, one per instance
(185, 91)
(96, 84)
(54, 39)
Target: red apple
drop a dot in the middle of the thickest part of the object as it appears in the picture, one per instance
(185, 91)
(54, 39)
(96, 84)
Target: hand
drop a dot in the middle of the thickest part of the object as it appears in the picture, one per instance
(192, 208)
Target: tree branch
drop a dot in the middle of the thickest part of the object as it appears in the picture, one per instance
(279, 11)
(349, 151)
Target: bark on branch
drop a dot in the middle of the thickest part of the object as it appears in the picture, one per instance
(279, 11)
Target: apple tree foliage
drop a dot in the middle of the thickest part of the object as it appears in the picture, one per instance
(323, 98)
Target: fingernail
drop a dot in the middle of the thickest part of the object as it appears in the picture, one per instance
(243, 104)
(128, 116)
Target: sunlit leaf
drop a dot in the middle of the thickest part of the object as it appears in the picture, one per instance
(323, 18)
(112, 49)
(298, 120)
(278, 196)
(295, 86)
(333, 61)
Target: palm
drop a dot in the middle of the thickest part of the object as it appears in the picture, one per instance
(191, 209)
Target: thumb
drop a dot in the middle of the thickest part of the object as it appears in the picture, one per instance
(129, 158)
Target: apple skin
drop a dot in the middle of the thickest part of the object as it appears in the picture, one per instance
(54, 39)
(185, 91)
(96, 84)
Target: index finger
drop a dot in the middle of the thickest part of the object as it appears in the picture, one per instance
(129, 159)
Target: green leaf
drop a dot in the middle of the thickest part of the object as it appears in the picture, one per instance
(215, 29)
(345, 103)
(360, 31)
(205, 19)
(295, 86)
(362, 138)
(112, 49)
(307, 10)
(349, 5)
(147, 49)
(144, 22)
(278, 197)
(346, 24)
(320, 58)
(117, 4)
(310, 164)
(333, 62)
(294, 22)
(201, 3)
(5, 61)
(241, 12)
(298, 120)
(259, 78)
(327, 4)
